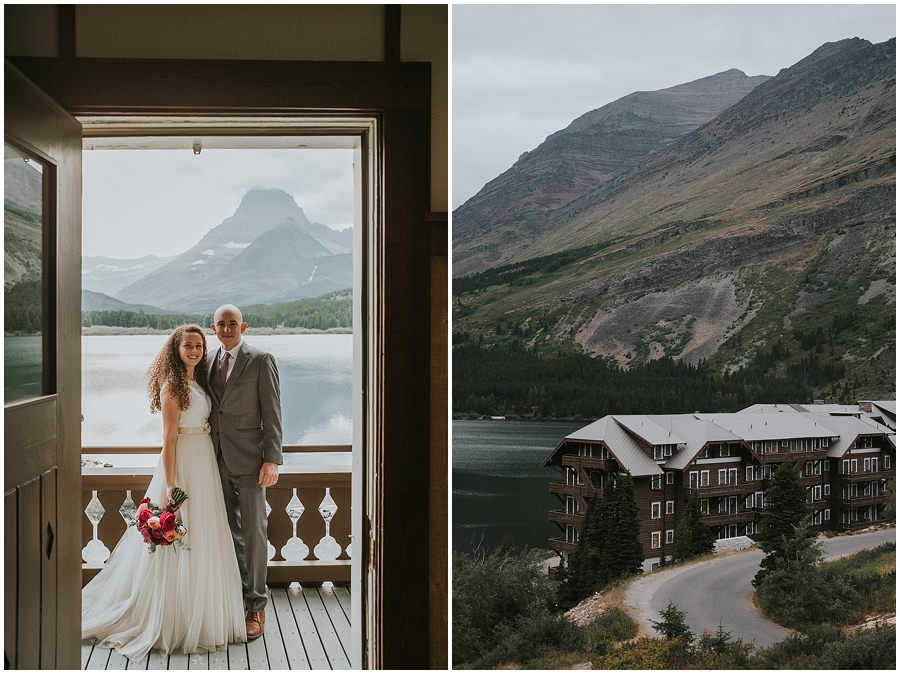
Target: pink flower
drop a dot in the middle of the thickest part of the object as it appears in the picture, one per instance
(172, 535)
(153, 522)
(167, 521)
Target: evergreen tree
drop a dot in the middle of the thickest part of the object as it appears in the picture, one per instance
(673, 626)
(890, 501)
(582, 575)
(626, 555)
(608, 547)
(692, 537)
(785, 508)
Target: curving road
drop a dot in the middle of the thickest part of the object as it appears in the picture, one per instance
(719, 590)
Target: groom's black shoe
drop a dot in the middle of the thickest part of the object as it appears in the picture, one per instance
(256, 624)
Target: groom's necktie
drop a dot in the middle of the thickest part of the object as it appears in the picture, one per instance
(223, 368)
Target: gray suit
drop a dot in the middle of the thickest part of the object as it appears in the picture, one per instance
(245, 424)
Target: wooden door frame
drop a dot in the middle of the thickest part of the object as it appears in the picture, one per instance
(45, 431)
(400, 95)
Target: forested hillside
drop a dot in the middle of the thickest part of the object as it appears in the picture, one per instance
(334, 310)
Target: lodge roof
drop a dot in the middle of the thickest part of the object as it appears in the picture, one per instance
(622, 445)
(778, 426)
(690, 433)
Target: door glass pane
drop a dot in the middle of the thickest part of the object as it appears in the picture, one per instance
(22, 275)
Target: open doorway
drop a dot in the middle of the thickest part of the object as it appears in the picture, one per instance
(315, 328)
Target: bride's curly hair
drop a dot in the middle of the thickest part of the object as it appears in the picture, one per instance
(168, 367)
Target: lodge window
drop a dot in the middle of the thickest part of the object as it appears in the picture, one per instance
(767, 472)
(670, 507)
(817, 493)
(654, 539)
(808, 467)
(874, 465)
(827, 490)
(704, 506)
(692, 479)
(654, 511)
(704, 478)
(670, 536)
(657, 452)
(748, 501)
(867, 466)
(852, 465)
(827, 465)
(725, 451)
(670, 478)
(656, 482)
(571, 534)
(817, 467)
(887, 462)
(704, 453)
(827, 515)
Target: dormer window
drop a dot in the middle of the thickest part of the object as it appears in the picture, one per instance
(657, 452)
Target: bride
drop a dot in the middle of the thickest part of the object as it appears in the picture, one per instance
(174, 599)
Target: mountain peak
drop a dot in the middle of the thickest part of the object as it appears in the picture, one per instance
(258, 195)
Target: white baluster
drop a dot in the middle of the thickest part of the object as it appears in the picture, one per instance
(295, 549)
(128, 509)
(95, 552)
(327, 548)
(270, 549)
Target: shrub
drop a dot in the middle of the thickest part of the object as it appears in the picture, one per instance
(864, 649)
(491, 596)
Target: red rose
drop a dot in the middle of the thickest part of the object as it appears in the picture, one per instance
(144, 515)
(167, 521)
(146, 499)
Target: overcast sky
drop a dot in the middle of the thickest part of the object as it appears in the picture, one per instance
(162, 202)
(521, 72)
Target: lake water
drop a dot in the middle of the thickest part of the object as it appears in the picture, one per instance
(498, 487)
(316, 374)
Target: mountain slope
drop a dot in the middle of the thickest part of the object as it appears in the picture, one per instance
(510, 211)
(217, 269)
(109, 275)
(771, 221)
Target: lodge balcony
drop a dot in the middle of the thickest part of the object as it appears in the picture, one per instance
(586, 491)
(562, 517)
(561, 545)
(862, 500)
(739, 488)
(798, 456)
(308, 615)
(718, 519)
(868, 475)
(591, 462)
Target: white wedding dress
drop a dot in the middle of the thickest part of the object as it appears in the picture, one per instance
(173, 599)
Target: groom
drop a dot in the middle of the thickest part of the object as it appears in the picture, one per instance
(245, 424)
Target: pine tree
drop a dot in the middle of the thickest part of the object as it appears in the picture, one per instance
(692, 537)
(626, 555)
(785, 508)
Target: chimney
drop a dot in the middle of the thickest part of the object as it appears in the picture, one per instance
(818, 402)
(865, 405)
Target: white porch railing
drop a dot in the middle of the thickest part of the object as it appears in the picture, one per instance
(309, 510)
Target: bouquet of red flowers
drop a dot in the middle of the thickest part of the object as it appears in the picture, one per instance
(159, 526)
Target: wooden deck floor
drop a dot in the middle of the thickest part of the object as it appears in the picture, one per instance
(306, 628)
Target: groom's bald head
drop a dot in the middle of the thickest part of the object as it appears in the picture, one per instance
(228, 324)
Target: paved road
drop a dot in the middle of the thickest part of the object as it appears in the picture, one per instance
(721, 589)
